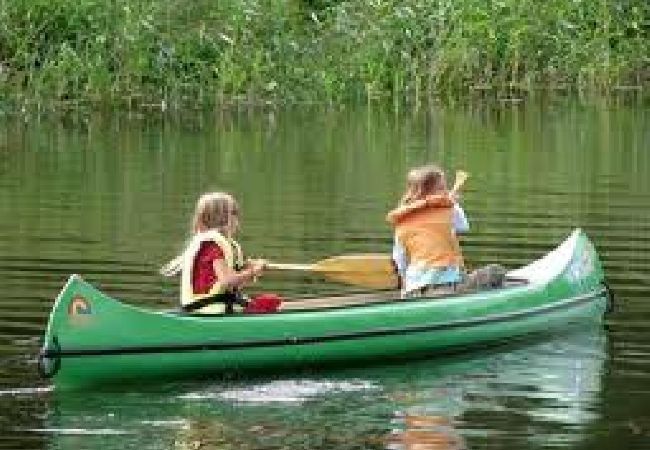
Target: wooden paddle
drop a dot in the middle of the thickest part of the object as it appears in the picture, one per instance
(461, 177)
(371, 270)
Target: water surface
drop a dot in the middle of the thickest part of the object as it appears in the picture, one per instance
(110, 198)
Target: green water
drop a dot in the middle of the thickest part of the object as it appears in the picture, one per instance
(110, 198)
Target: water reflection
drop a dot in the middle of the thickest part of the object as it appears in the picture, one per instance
(525, 396)
(531, 396)
(282, 391)
(425, 432)
(109, 200)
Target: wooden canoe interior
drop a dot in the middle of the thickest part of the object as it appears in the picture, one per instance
(353, 299)
(338, 301)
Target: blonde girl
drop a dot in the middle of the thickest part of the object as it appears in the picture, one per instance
(426, 251)
(212, 267)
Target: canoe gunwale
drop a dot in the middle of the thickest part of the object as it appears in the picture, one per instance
(54, 353)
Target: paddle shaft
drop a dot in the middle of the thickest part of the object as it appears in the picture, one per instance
(461, 177)
(282, 266)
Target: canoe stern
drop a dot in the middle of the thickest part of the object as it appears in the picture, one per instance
(570, 269)
(583, 271)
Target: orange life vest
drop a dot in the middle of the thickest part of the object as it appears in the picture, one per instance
(424, 228)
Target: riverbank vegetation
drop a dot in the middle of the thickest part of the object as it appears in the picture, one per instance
(205, 53)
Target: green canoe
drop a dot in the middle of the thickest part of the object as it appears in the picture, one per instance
(94, 340)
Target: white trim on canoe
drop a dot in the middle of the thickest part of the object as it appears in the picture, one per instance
(549, 266)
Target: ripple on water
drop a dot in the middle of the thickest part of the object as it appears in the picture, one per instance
(74, 431)
(26, 391)
(283, 391)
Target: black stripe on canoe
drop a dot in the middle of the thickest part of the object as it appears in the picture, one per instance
(302, 340)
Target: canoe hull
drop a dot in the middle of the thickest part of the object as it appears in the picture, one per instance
(103, 341)
(102, 369)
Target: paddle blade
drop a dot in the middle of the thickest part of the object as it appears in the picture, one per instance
(371, 270)
(461, 177)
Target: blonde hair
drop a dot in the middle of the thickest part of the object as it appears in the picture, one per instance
(423, 181)
(213, 211)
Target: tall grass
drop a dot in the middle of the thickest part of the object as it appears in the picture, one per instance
(202, 53)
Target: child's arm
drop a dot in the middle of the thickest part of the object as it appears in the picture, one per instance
(231, 278)
(459, 219)
(399, 258)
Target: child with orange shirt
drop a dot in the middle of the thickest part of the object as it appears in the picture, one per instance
(426, 251)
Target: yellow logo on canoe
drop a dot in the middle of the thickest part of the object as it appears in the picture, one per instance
(79, 306)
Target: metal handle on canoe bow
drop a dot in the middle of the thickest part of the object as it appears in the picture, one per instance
(49, 359)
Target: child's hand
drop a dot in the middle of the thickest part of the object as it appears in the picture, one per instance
(256, 266)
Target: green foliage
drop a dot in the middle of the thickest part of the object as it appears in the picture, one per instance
(179, 53)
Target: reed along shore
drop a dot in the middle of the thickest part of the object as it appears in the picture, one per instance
(175, 54)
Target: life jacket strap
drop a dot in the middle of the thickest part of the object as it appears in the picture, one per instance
(230, 298)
